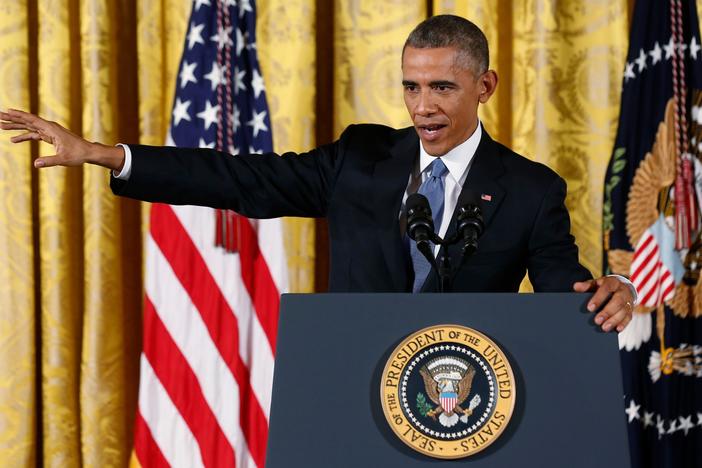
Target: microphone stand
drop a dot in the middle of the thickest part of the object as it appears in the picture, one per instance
(443, 266)
(444, 272)
(421, 229)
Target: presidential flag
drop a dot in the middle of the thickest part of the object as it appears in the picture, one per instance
(652, 234)
(213, 278)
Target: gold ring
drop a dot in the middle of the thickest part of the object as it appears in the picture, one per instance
(631, 306)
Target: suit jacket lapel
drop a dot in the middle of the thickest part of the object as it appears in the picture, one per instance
(390, 182)
(482, 179)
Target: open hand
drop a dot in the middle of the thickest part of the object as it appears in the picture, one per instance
(616, 297)
(71, 150)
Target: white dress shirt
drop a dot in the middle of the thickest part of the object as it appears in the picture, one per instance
(458, 162)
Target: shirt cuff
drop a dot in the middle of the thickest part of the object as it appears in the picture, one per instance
(127, 168)
(626, 281)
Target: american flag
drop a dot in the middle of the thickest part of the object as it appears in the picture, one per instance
(652, 273)
(211, 290)
(652, 231)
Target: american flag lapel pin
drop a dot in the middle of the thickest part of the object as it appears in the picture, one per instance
(486, 197)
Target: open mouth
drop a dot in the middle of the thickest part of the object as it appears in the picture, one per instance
(430, 132)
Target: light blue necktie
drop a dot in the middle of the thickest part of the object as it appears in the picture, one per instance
(433, 189)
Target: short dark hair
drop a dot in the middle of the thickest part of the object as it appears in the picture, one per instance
(452, 31)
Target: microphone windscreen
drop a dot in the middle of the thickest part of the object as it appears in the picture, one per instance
(417, 201)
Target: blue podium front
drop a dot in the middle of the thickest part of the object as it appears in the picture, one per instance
(335, 352)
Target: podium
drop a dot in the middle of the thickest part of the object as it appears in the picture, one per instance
(332, 349)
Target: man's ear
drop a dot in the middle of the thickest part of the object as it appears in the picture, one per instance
(488, 81)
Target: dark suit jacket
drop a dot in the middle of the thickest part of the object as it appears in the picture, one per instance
(358, 183)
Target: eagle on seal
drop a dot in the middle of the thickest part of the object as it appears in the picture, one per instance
(448, 381)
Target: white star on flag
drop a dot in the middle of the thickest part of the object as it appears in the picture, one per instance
(629, 72)
(669, 48)
(633, 411)
(223, 37)
(656, 53)
(209, 115)
(257, 83)
(195, 35)
(180, 112)
(641, 60)
(694, 48)
(685, 424)
(239, 80)
(647, 419)
(216, 75)
(187, 74)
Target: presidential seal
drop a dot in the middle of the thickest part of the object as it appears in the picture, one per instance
(448, 391)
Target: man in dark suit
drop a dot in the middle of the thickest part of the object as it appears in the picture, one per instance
(361, 182)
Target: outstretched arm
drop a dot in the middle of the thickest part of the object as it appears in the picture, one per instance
(257, 186)
(71, 150)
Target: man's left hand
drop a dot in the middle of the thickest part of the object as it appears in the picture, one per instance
(616, 297)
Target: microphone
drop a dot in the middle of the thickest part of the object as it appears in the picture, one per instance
(420, 224)
(469, 222)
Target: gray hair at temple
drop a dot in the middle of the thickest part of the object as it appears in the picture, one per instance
(452, 31)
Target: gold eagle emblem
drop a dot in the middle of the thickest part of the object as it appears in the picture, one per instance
(649, 196)
(448, 381)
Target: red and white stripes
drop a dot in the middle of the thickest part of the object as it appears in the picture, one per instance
(209, 338)
(653, 281)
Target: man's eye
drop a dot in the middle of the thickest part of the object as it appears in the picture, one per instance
(410, 88)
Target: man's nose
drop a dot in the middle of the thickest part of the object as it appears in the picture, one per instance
(425, 103)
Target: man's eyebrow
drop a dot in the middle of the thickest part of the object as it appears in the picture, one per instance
(442, 83)
(432, 83)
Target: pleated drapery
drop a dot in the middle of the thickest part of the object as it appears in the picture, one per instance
(71, 269)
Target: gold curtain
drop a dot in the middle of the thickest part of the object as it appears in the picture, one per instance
(287, 52)
(70, 279)
(368, 40)
(18, 353)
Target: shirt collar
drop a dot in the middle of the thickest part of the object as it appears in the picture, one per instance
(458, 159)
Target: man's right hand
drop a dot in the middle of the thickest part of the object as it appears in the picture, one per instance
(71, 150)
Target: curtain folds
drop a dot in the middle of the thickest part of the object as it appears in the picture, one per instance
(287, 52)
(368, 40)
(71, 269)
(18, 353)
